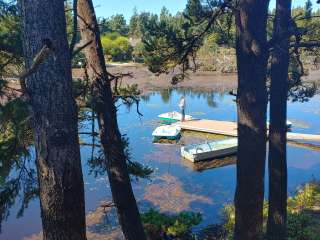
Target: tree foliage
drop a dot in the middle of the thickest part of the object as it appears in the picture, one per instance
(115, 23)
(161, 226)
(10, 37)
(116, 47)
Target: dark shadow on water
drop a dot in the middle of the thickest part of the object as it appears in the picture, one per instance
(210, 164)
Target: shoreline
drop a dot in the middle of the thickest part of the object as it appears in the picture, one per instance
(203, 81)
(148, 82)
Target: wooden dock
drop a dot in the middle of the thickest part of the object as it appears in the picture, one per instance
(230, 129)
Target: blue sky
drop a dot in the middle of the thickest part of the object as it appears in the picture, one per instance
(107, 8)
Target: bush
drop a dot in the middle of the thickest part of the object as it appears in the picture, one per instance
(301, 224)
(299, 227)
(138, 52)
(307, 197)
(159, 225)
(116, 47)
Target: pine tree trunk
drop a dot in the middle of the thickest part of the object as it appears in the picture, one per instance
(54, 117)
(251, 49)
(277, 212)
(110, 135)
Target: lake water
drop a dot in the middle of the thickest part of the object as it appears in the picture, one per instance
(176, 185)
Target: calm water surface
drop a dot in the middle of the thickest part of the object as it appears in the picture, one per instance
(177, 185)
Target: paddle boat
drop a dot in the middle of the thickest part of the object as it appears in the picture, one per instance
(210, 149)
(169, 132)
(173, 117)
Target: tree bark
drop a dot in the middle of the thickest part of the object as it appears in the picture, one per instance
(251, 50)
(110, 135)
(54, 120)
(277, 212)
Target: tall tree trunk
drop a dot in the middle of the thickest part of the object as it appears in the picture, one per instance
(251, 49)
(110, 135)
(54, 120)
(277, 213)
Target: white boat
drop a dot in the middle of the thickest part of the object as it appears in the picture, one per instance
(210, 149)
(289, 124)
(166, 132)
(173, 117)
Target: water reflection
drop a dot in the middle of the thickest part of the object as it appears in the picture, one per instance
(17, 173)
(210, 164)
(168, 95)
(175, 184)
(168, 195)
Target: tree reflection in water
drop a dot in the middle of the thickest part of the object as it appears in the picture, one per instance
(17, 169)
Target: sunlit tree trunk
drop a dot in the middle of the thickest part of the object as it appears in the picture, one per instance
(277, 212)
(110, 135)
(251, 49)
(54, 120)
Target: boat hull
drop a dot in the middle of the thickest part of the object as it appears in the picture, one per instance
(172, 138)
(168, 120)
(209, 154)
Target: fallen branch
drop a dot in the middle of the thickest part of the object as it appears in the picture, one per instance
(119, 75)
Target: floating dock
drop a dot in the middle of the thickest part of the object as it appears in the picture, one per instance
(230, 129)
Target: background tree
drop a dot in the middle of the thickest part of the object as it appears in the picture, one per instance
(134, 25)
(54, 119)
(116, 23)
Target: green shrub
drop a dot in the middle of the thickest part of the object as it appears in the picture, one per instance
(159, 224)
(301, 223)
(116, 47)
(307, 196)
(299, 227)
(138, 52)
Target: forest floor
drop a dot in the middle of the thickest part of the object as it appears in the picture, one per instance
(197, 81)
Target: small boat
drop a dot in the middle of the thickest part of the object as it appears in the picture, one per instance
(166, 132)
(289, 124)
(210, 149)
(173, 117)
